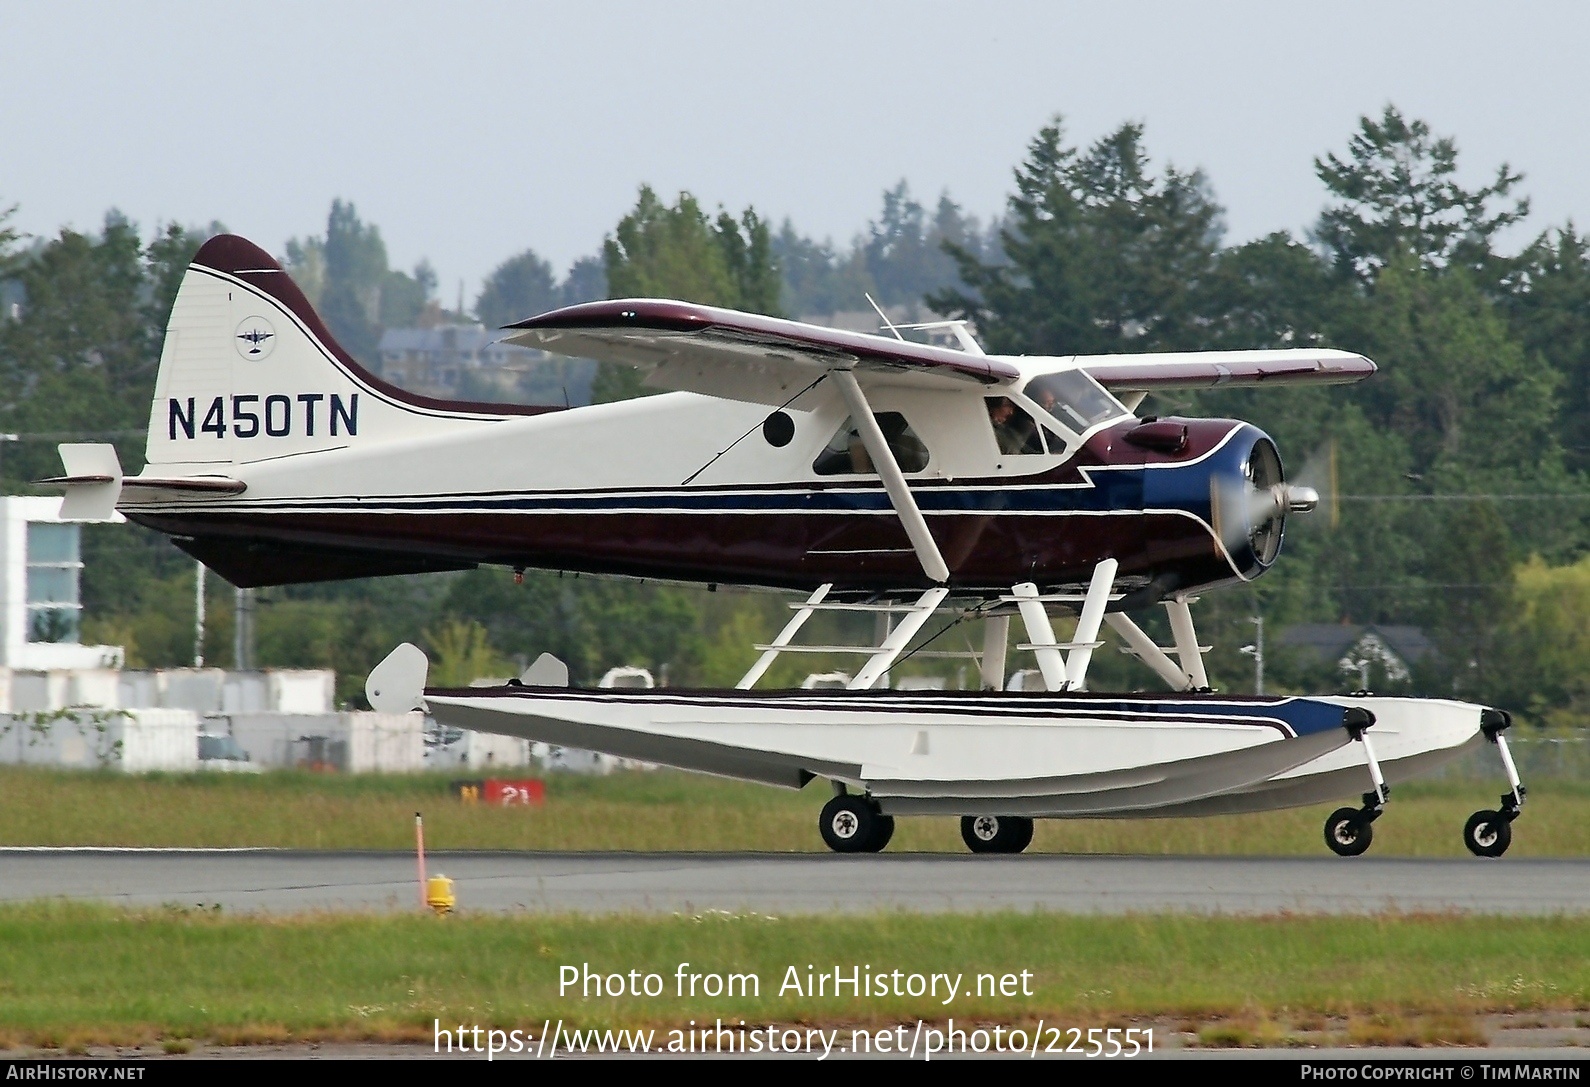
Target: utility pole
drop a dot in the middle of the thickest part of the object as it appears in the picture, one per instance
(1256, 651)
(243, 632)
(7, 438)
(1258, 655)
(198, 616)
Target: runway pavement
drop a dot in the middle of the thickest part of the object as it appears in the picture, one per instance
(288, 881)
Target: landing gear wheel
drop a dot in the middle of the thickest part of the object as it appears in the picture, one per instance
(884, 833)
(1488, 833)
(996, 833)
(1348, 833)
(849, 824)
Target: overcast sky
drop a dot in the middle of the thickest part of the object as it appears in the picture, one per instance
(468, 131)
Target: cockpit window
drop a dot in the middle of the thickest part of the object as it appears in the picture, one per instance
(1074, 398)
(1014, 429)
(845, 453)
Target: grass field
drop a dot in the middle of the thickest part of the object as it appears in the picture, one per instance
(76, 975)
(667, 810)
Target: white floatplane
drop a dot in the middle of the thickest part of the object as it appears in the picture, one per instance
(868, 472)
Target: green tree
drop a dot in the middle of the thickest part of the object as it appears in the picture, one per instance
(1475, 407)
(1550, 640)
(462, 653)
(81, 358)
(1470, 561)
(1100, 256)
(356, 266)
(748, 252)
(167, 259)
(591, 623)
(1396, 195)
(1270, 293)
(819, 279)
(521, 286)
(1549, 306)
(586, 282)
(406, 296)
(659, 251)
(905, 250)
(306, 263)
(9, 236)
(345, 275)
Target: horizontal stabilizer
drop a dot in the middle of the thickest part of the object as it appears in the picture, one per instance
(397, 684)
(93, 482)
(187, 485)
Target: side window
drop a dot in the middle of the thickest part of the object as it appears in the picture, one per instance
(1014, 430)
(845, 454)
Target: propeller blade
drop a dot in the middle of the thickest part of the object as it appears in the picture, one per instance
(1319, 475)
(1241, 509)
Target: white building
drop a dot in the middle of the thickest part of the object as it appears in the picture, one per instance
(63, 703)
(41, 609)
(92, 738)
(355, 742)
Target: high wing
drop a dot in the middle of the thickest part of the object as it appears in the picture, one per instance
(743, 356)
(767, 360)
(1206, 369)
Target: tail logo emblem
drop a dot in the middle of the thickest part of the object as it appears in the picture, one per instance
(255, 339)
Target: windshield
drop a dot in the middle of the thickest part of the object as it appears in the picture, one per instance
(1074, 398)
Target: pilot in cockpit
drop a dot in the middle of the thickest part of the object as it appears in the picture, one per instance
(1014, 430)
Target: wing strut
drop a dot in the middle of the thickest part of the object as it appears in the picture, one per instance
(927, 549)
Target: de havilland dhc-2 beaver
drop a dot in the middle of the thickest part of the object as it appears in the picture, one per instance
(866, 473)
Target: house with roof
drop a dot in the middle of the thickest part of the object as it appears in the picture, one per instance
(468, 362)
(1369, 654)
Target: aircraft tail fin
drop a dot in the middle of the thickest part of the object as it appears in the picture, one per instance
(250, 372)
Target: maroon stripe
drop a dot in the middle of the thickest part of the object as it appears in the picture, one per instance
(985, 554)
(242, 259)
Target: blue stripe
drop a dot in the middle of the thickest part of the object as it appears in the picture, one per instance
(1106, 492)
(1302, 716)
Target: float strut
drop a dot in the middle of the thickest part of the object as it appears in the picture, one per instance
(1187, 647)
(785, 636)
(996, 642)
(1087, 632)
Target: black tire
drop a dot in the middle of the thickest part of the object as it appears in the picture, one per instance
(850, 825)
(996, 833)
(1348, 833)
(884, 832)
(1488, 833)
(1022, 837)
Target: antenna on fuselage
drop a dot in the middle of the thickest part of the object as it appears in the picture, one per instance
(888, 324)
